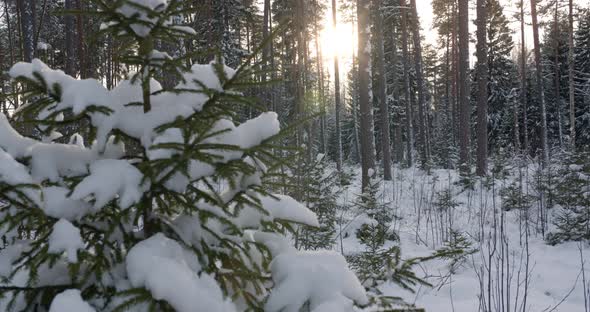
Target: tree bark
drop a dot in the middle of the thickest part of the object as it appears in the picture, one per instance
(540, 86)
(420, 86)
(366, 111)
(482, 89)
(464, 109)
(557, 73)
(523, 92)
(337, 103)
(27, 28)
(571, 61)
(382, 93)
(10, 35)
(407, 94)
(81, 52)
(69, 29)
(320, 77)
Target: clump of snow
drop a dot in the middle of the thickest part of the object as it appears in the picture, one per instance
(58, 205)
(277, 207)
(9, 254)
(169, 272)
(284, 207)
(140, 9)
(52, 161)
(321, 278)
(110, 178)
(66, 237)
(70, 301)
(11, 141)
(43, 46)
(14, 173)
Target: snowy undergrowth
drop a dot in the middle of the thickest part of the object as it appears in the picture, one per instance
(555, 277)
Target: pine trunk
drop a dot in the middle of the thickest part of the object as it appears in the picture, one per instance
(523, 92)
(81, 52)
(571, 60)
(420, 86)
(540, 86)
(557, 74)
(27, 28)
(367, 138)
(407, 94)
(69, 33)
(464, 109)
(382, 93)
(482, 89)
(337, 98)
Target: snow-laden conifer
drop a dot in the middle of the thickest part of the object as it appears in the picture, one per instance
(166, 206)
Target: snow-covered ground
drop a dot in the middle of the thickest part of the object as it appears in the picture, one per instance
(555, 279)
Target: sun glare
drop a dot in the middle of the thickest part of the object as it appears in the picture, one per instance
(338, 42)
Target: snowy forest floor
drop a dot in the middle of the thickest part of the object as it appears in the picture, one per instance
(496, 272)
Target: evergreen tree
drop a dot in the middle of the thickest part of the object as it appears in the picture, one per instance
(503, 78)
(380, 262)
(555, 59)
(582, 79)
(572, 195)
(182, 221)
(321, 192)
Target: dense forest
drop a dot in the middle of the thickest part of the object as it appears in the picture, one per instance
(231, 155)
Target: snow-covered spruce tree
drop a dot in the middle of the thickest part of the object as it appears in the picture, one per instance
(572, 195)
(183, 222)
(381, 260)
(321, 191)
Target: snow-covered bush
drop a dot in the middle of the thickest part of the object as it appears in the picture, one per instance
(185, 223)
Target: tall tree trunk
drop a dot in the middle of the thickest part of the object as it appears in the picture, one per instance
(407, 94)
(571, 62)
(69, 29)
(337, 97)
(382, 93)
(81, 53)
(366, 111)
(540, 86)
(557, 74)
(10, 34)
(320, 73)
(27, 24)
(266, 49)
(523, 92)
(482, 89)
(420, 86)
(455, 55)
(398, 148)
(464, 109)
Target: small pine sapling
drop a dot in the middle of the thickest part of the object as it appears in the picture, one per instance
(381, 261)
(321, 191)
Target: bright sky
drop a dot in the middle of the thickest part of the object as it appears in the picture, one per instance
(343, 40)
